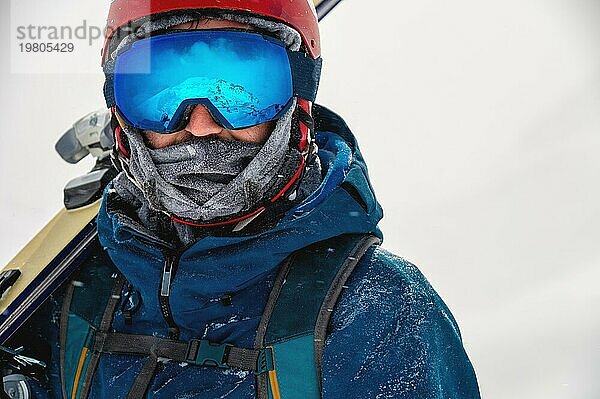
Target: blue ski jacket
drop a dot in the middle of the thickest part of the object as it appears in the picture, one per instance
(391, 336)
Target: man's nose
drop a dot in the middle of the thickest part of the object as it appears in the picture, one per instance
(202, 123)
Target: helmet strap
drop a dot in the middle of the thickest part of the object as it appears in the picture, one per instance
(120, 151)
(306, 123)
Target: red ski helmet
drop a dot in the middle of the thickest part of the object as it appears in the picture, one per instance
(299, 14)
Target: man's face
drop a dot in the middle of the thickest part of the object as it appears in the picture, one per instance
(201, 123)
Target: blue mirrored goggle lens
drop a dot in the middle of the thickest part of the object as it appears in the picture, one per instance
(243, 79)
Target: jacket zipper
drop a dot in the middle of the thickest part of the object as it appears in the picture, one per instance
(169, 269)
(170, 264)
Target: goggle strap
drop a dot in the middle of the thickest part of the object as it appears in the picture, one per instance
(306, 74)
(109, 89)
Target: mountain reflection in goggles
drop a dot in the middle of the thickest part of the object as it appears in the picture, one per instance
(243, 78)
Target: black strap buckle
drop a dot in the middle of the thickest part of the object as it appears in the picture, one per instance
(205, 353)
(311, 147)
(265, 362)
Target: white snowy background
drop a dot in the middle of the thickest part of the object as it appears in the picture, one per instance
(480, 123)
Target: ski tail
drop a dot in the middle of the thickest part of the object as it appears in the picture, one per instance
(325, 6)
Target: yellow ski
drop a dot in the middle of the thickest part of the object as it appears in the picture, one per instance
(43, 264)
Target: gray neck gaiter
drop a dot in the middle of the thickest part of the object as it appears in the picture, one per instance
(206, 179)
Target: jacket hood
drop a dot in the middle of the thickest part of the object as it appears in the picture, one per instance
(242, 268)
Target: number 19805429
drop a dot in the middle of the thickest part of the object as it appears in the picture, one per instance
(47, 47)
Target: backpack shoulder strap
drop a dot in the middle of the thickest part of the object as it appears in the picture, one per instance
(89, 305)
(295, 320)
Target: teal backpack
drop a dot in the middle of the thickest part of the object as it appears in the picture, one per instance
(286, 358)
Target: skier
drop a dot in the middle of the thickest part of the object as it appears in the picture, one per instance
(240, 252)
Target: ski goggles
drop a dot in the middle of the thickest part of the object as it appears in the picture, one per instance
(242, 78)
